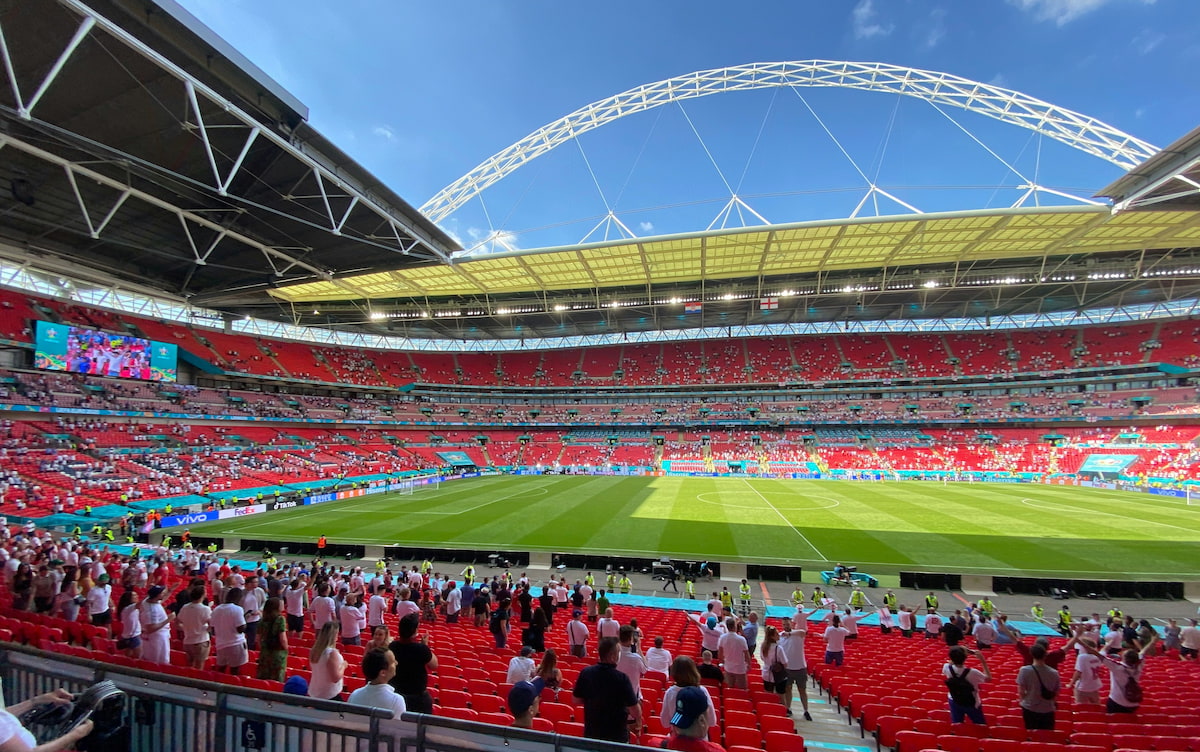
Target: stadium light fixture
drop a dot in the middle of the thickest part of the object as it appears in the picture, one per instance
(930, 284)
(560, 307)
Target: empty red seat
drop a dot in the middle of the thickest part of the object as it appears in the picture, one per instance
(738, 736)
(914, 741)
(783, 741)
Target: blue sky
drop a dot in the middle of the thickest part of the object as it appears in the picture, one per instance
(421, 92)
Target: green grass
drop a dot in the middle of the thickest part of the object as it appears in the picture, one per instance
(881, 527)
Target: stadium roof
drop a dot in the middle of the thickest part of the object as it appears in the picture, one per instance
(776, 251)
(1168, 180)
(139, 145)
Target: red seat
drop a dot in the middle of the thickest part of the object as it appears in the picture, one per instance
(1174, 743)
(776, 723)
(568, 728)
(951, 743)
(1093, 740)
(738, 736)
(914, 741)
(1000, 745)
(931, 726)
(783, 741)
(496, 719)
(1056, 736)
(734, 748)
(739, 718)
(887, 728)
(557, 712)
(543, 724)
(464, 714)
(449, 698)
(1009, 733)
(487, 703)
(453, 683)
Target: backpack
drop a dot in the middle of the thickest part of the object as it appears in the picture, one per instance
(961, 691)
(1133, 690)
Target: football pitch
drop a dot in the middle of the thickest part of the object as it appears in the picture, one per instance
(882, 527)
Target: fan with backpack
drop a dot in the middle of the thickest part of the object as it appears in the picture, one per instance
(103, 704)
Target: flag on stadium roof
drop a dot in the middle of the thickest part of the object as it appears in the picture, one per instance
(768, 304)
(693, 307)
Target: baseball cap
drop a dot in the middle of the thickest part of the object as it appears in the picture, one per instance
(155, 591)
(526, 651)
(712, 623)
(577, 613)
(690, 704)
(296, 685)
(522, 696)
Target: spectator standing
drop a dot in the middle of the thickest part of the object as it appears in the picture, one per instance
(194, 620)
(658, 658)
(414, 659)
(774, 664)
(791, 643)
(156, 627)
(378, 667)
(1037, 687)
(835, 642)
(328, 665)
(229, 632)
(273, 645)
(684, 673)
(577, 635)
(610, 705)
(963, 685)
(734, 655)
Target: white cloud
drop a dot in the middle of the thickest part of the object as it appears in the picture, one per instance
(865, 23)
(384, 132)
(1062, 12)
(999, 80)
(1139, 113)
(646, 226)
(936, 28)
(1147, 41)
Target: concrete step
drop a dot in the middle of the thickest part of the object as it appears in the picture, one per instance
(828, 729)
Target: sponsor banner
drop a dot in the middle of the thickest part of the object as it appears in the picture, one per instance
(226, 514)
(320, 498)
(284, 504)
(188, 519)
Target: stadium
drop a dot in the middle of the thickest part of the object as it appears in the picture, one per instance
(228, 343)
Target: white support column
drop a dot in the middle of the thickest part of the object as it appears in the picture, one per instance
(8, 68)
(79, 200)
(212, 162)
(237, 165)
(324, 198)
(353, 203)
(88, 22)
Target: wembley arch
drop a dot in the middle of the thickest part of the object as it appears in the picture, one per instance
(1074, 129)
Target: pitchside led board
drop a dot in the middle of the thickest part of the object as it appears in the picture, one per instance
(59, 347)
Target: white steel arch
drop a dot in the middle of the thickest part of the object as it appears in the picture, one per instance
(1071, 128)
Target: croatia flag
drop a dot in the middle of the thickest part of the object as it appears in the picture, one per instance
(768, 304)
(693, 307)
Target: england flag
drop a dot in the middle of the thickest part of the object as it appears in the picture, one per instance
(768, 304)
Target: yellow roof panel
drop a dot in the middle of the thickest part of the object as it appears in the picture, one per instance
(786, 249)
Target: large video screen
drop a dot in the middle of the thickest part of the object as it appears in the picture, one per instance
(60, 347)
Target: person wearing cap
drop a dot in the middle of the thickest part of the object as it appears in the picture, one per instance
(156, 633)
(378, 667)
(520, 668)
(524, 699)
(577, 635)
(98, 600)
(689, 723)
(610, 704)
